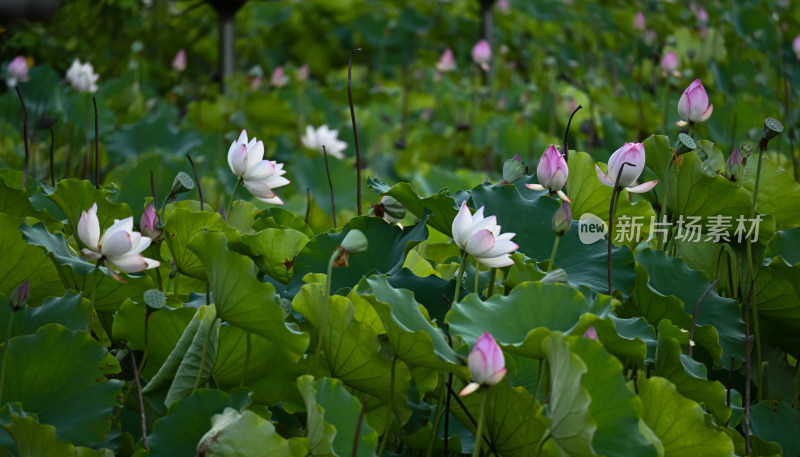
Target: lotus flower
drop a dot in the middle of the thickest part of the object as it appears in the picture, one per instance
(149, 223)
(631, 154)
(486, 364)
(552, 172)
(480, 237)
(693, 105)
(82, 77)
(279, 78)
(259, 176)
(639, 22)
(17, 71)
(562, 219)
(591, 333)
(323, 136)
(119, 245)
(796, 46)
(447, 62)
(735, 164)
(482, 54)
(179, 62)
(669, 63)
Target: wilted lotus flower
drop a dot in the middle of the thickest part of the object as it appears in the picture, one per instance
(17, 71)
(82, 77)
(796, 46)
(149, 223)
(179, 62)
(259, 176)
(447, 62)
(480, 237)
(669, 63)
(693, 105)
(734, 165)
(119, 245)
(323, 136)
(631, 154)
(302, 73)
(487, 365)
(278, 78)
(551, 172)
(482, 54)
(639, 22)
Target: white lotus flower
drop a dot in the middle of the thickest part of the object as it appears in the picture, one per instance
(480, 237)
(119, 245)
(323, 136)
(259, 176)
(82, 77)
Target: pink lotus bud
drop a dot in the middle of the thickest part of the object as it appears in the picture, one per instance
(19, 297)
(17, 71)
(591, 333)
(486, 364)
(302, 73)
(734, 165)
(179, 62)
(693, 105)
(796, 46)
(148, 224)
(447, 62)
(702, 15)
(562, 219)
(482, 54)
(552, 171)
(504, 5)
(632, 155)
(669, 62)
(639, 22)
(278, 78)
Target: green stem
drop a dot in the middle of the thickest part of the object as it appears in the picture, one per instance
(233, 195)
(541, 444)
(460, 275)
(797, 387)
(92, 295)
(481, 424)
(691, 129)
(477, 275)
(203, 358)
(436, 419)
(155, 255)
(664, 104)
(754, 301)
(325, 304)
(492, 280)
(553, 254)
(385, 438)
(246, 361)
(9, 327)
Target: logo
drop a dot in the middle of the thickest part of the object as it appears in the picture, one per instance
(591, 228)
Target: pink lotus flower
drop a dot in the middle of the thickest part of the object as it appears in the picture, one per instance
(148, 224)
(447, 62)
(120, 245)
(796, 46)
(734, 165)
(504, 5)
(480, 237)
(693, 105)
(591, 333)
(551, 172)
(17, 71)
(179, 62)
(487, 365)
(278, 78)
(482, 54)
(631, 154)
(669, 63)
(639, 22)
(259, 176)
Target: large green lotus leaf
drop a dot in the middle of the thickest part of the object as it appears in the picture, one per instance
(69, 375)
(277, 249)
(352, 350)
(25, 262)
(512, 424)
(615, 409)
(235, 434)
(280, 218)
(589, 195)
(513, 319)
(667, 289)
(777, 422)
(434, 293)
(329, 395)
(442, 206)
(33, 439)
(69, 310)
(777, 292)
(198, 362)
(243, 216)
(658, 152)
(778, 191)
(15, 203)
(74, 196)
(270, 372)
(413, 338)
(785, 243)
(629, 339)
(689, 376)
(387, 249)
(179, 431)
(531, 220)
(181, 227)
(240, 298)
(678, 422)
(56, 245)
(572, 426)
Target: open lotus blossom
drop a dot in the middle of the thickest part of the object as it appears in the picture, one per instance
(82, 76)
(179, 62)
(259, 176)
(480, 237)
(447, 62)
(693, 105)
(486, 364)
(482, 54)
(119, 245)
(631, 154)
(323, 136)
(17, 71)
(552, 172)
(279, 77)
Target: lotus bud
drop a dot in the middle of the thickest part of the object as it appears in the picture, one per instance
(669, 63)
(447, 62)
(639, 22)
(591, 333)
(302, 73)
(632, 156)
(735, 164)
(179, 62)
(278, 78)
(19, 298)
(17, 71)
(487, 365)
(148, 224)
(482, 54)
(390, 209)
(562, 219)
(693, 105)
